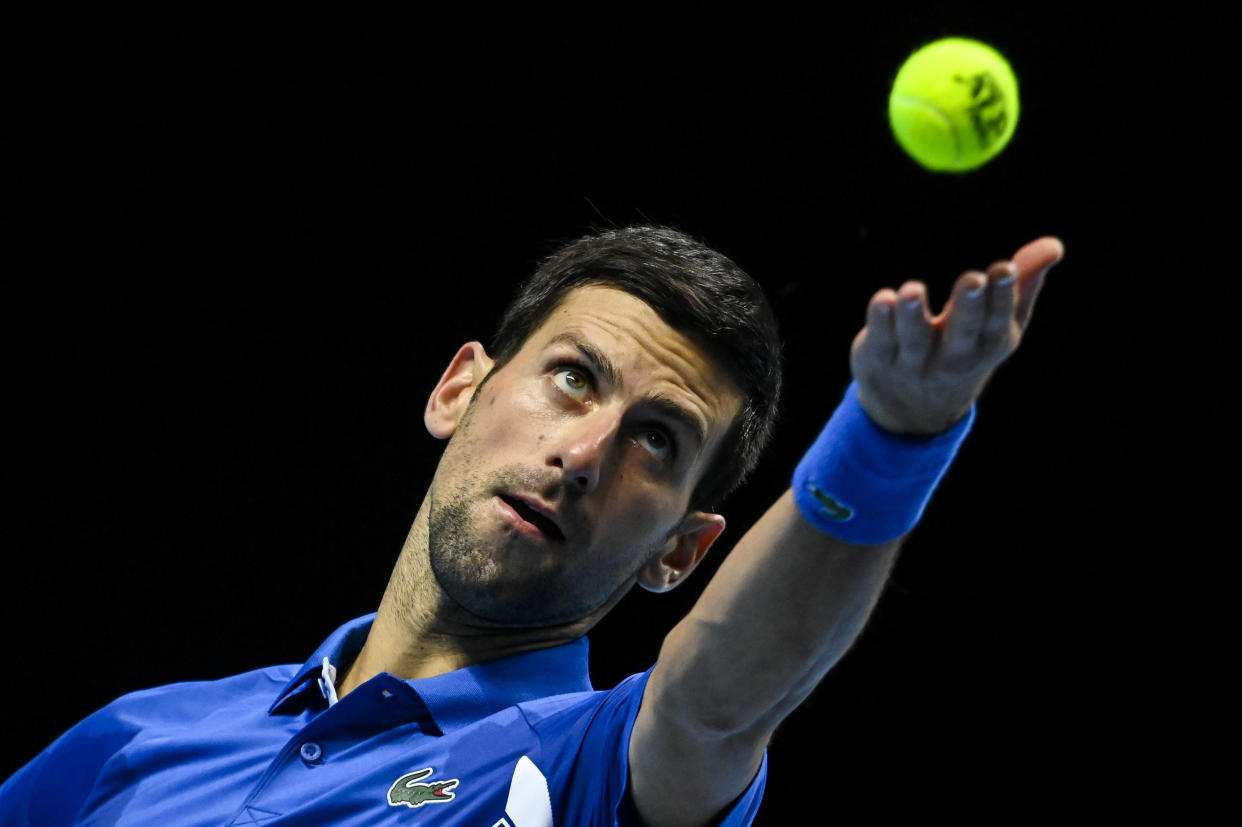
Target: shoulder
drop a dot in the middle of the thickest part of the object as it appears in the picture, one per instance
(581, 708)
(91, 741)
(581, 757)
(188, 701)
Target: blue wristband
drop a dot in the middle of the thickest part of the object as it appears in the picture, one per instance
(865, 485)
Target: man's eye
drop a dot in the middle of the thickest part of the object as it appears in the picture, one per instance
(657, 442)
(571, 381)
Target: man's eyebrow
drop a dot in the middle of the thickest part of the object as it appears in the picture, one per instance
(598, 359)
(691, 423)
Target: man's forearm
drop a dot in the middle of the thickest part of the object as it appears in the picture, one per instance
(784, 607)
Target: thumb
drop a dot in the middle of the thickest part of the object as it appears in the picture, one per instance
(1033, 262)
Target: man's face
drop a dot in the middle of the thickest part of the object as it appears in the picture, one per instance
(571, 470)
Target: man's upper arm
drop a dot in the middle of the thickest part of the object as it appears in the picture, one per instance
(782, 609)
(681, 778)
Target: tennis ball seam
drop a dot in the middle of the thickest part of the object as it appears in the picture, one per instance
(940, 113)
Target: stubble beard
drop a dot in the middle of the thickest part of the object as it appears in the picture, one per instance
(493, 584)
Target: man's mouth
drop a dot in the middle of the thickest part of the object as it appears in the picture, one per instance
(545, 525)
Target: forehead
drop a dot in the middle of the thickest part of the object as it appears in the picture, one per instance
(651, 357)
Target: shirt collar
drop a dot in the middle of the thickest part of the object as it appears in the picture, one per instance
(341, 647)
(464, 695)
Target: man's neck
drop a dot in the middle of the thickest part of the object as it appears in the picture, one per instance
(419, 632)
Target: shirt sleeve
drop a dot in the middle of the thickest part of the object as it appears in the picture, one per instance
(51, 789)
(605, 747)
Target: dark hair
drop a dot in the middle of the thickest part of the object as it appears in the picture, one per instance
(697, 291)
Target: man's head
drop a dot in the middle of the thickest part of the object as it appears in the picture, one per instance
(697, 291)
(625, 378)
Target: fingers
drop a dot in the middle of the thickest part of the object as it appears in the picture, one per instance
(912, 325)
(978, 321)
(876, 343)
(977, 326)
(898, 328)
(965, 316)
(997, 333)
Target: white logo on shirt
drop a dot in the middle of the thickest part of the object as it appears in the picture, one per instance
(529, 803)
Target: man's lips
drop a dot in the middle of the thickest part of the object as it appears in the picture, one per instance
(536, 514)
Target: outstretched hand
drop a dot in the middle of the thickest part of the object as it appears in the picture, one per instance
(919, 374)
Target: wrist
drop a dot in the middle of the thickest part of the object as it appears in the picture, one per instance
(865, 485)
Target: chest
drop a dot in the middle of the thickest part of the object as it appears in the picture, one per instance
(337, 769)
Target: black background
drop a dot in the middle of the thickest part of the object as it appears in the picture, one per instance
(252, 245)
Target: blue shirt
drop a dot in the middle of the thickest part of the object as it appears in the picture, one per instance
(523, 741)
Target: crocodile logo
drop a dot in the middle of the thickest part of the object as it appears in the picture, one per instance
(833, 508)
(406, 790)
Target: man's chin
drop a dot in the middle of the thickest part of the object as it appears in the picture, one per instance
(496, 599)
(526, 614)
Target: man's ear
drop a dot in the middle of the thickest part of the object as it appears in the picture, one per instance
(687, 548)
(452, 393)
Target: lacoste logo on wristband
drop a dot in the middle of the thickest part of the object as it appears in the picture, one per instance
(406, 791)
(833, 508)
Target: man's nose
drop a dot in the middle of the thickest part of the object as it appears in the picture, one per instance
(583, 449)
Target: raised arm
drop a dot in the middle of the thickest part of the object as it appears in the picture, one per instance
(790, 599)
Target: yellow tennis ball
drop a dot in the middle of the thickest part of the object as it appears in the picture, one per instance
(954, 104)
